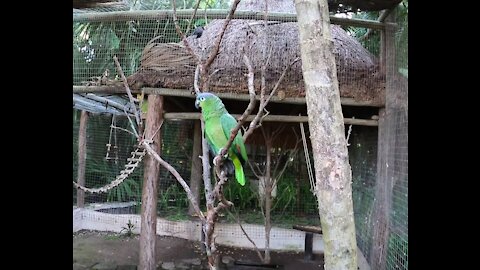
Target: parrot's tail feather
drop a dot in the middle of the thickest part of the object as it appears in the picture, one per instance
(239, 175)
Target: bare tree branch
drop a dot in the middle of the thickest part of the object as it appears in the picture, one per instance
(220, 36)
(206, 169)
(253, 169)
(127, 88)
(193, 16)
(195, 80)
(177, 176)
(250, 107)
(245, 233)
(281, 78)
(181, 34)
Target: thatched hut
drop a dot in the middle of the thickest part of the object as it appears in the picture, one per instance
(170, 65)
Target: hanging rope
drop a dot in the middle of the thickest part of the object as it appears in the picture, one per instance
(132, 164)
(109, 144)
(313, 187)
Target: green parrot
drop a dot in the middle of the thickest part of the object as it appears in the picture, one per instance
(218, 125)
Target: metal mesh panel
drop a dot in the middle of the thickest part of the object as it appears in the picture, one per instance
(397, 116)
(363, 159)
(107, 150)
(97, 39)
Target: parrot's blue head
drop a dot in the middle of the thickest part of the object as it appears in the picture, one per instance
(207, 101)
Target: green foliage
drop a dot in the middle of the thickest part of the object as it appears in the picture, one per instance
(173, 197)
(243, 197)
(129, 189)
(371, 43)
(128, 230)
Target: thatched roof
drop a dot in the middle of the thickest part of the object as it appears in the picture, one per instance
(171, 66)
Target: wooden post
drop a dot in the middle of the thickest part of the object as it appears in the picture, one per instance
(379, 212)
(82, 156)
(196, 171)
(148, 229)
(386, 143)
(308, 246)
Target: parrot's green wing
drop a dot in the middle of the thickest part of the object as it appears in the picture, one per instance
(228, 123)
(238, 154)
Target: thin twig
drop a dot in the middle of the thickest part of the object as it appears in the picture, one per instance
(193, 16)
(128, 131)
(348, 134)
(132, 125)
(155, 133)
(220, 36)
(250, 107)
(195, 80)
(245, 233)
(253, 170)
(181, 34)
(127, 88)
(281, 78)
(213, 73)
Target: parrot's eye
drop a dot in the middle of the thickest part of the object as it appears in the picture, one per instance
(202, 99)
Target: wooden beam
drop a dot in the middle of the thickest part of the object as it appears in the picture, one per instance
(211, 13)
(148, 229)
(270, 118)
(196, 171)
(82, 156)
(103, 89)
(186, 93)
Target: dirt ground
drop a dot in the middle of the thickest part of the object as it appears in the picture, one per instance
(94, 250)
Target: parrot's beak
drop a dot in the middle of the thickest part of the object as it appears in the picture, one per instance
(197, 104)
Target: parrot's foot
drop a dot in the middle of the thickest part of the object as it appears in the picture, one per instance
(216, 160)
(226, 154)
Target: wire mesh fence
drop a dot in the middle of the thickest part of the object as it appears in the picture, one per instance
(151, 55)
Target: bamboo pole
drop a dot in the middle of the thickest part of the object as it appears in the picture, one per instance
(212, 13)
(82, 156)
(148, 229)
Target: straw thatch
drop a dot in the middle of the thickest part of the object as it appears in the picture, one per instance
(171, 66)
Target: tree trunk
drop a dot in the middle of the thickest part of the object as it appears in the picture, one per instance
(196, 171)
(82, 156)
(332, 169)
(148, 229)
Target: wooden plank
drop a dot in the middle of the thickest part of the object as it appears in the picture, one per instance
(246, 97)
(186, 93)
(305, 228)
(82, 156)
(212, 13)
(103, 89)
(271, 118)
(148, 229)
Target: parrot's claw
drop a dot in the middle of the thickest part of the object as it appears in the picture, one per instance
(224, 156)
(215, 161)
